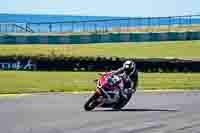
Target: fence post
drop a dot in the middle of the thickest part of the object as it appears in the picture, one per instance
(39, 28)
(95, 27)
(50, 27)
(61, 28)
(190, 23)
(159, 25)
(84, 29)
(190, 19)
(13, 28)
(169, 24)
(6, 27)
(16, 29)
(149, 24)
(26, 27)
(140, 24)
(128, 24)
(72, 27)
(104, 27)
(180, 25)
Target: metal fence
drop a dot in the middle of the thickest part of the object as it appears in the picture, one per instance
(15, 27)
(150, 24)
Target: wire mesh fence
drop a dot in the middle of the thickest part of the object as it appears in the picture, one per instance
(150, 24)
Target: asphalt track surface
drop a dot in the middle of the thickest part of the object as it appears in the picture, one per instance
(175, 112)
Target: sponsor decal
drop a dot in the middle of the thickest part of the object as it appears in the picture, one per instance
(18, 65)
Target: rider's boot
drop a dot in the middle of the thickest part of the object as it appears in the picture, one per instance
(133, 91)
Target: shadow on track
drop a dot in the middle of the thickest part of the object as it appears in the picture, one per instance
(138, 110)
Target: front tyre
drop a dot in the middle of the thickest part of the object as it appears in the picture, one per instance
(91, 103)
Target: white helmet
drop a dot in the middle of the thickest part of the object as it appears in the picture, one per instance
(129, 65)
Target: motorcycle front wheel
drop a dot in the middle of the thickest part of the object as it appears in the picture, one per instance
(91, 103)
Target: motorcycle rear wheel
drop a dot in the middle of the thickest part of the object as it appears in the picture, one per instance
(122, 102)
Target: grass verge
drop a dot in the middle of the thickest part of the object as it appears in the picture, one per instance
(179, 49)
(30, 82)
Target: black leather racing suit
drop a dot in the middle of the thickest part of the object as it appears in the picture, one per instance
(131, 76)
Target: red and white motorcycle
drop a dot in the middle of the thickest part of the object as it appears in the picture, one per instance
(108, 93)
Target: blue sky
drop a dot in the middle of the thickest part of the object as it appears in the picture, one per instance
(131, 8)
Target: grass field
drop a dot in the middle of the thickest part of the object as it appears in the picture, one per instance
(27, 82)
(181, 49)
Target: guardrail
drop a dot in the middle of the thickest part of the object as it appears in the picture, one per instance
(98, 38)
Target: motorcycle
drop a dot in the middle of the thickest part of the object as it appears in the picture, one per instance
(108, 93)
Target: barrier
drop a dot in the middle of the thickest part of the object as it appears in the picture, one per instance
(95, 64)
(98, 38)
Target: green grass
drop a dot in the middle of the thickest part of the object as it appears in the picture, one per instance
(28, 82)
(180, 49)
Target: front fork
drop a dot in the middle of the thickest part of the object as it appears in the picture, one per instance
(99, 97)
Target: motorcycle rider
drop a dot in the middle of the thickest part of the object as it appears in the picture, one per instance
(130, 75)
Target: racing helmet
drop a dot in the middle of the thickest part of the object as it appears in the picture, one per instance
(129, 65)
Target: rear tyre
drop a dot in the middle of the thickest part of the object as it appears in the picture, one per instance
(122, 102)
(91, 103)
